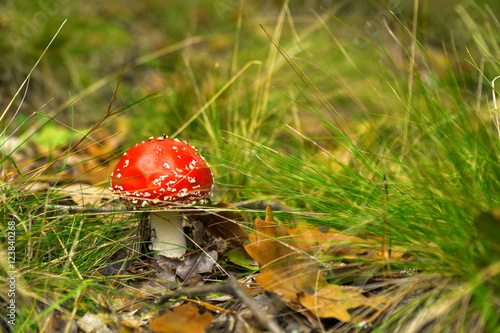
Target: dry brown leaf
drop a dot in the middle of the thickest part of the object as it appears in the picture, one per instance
(333, 301)
(224, 224)
(287, 271)
(184, 318)
(314, 240)
(284, 269)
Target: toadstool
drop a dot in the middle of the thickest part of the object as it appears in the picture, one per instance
(163, 172)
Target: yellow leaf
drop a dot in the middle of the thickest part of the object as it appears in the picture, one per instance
(333, 301)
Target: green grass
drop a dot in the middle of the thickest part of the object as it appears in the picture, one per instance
(378, 131)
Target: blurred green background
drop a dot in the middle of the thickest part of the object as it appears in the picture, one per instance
(216, 74)
(199, 45)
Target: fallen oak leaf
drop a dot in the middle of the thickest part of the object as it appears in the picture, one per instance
(288, 271)
(184, 318)
(329, 241)
(333, 301)
(313, 240)
(285, 270)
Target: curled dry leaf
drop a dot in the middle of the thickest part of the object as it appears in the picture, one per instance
(224, 224)
(288, 270)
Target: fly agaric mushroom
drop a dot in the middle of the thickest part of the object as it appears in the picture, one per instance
(163, 172)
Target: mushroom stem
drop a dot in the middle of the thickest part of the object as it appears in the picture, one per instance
(167, 235)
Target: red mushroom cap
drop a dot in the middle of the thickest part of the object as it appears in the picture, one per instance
(162, 171)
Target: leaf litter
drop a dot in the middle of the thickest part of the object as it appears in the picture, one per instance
(290, 262)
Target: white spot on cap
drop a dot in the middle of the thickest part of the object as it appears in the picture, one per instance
(166, 165)
(119, 176)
